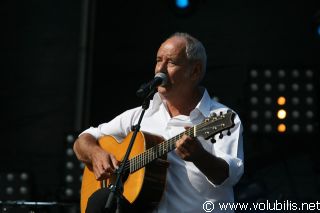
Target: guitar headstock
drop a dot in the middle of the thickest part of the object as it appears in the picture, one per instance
(215, 124)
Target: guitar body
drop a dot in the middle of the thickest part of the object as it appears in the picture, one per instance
(142, 187)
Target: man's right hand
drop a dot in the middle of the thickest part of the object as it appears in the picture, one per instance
(103, 164)
(88, 150)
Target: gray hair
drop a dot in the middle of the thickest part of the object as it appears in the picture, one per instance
(194, 50)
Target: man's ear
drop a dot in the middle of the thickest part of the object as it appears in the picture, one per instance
(197, 71)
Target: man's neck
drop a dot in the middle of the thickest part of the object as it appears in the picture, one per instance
(183, 105)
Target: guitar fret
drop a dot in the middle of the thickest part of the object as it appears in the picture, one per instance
(141, 160)
(159, 150)
(162, 148)
(134, 163)
(131, 165)
(146, 157)
(151, 155)
(137, 162)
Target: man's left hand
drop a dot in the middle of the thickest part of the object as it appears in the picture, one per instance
(188, 148)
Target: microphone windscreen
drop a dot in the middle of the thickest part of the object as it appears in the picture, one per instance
(163, 76)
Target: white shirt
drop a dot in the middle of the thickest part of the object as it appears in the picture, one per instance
(187, 187)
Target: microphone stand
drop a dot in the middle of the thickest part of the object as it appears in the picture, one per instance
(116, 189)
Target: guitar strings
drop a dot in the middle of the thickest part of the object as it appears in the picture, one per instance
(154, 152)
(160, 149)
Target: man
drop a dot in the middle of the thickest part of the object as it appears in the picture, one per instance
(199, 170)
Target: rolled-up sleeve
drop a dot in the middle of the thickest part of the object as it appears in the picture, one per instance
(230, 148)
(118, 127)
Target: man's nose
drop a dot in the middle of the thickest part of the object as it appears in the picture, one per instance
(162, 67)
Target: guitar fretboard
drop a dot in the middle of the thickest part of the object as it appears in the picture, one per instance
(156, 151)
(207, 129)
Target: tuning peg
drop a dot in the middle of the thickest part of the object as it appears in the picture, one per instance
(228, 133)
(213, 140)
(221, 135)
(214, 114)
(220, 112)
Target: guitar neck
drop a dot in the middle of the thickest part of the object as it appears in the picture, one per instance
(157, 151)
(207, 129)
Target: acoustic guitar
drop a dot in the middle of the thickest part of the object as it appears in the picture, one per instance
(145, 171)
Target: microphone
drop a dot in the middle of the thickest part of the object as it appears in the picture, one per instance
(160, 79)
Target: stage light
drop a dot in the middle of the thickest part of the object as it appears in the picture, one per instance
(309, 73)
(316, 23)
(268, 128)
(15, 186)
(295, 128)
(254, 73)
(267, 100)
(281, 73)
(281, 114)
(254, 114)
(267, 87)
(254, 100)
(183, 8)
(295, 87)
(254, 127)
(254, 87)
(295, 101)
(295, 114)
(182, 3)
(268, 114)
(295, 73)
(309, 128)
(309, 114)
(282, 128)
(281, 87)
(282, 101)
(72, 172)
(309, 87)
(309, 100)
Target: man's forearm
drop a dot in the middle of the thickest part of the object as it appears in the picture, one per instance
(216, 169)
(84, 146)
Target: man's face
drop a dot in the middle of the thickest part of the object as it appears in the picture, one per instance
(172, 60)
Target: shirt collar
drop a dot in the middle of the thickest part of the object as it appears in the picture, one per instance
(203, 106)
